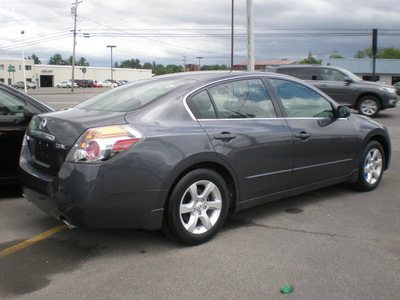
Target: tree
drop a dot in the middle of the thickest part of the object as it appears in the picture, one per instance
(335, 55)
(57, 59)
(174, 69)
(147, 65)
(36, 59)
(214, 67)
(384, 53)
(310, 60)
(129, 64)
(82, 62)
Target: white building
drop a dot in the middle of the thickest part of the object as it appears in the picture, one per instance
(50, 75)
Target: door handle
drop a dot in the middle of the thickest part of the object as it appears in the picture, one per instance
(224, 136)
(303, 135)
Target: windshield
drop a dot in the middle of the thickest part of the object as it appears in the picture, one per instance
(351, 75)
(133, 96)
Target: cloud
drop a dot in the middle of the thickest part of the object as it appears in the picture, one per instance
(165, 31)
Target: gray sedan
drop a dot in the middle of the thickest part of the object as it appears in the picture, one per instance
(178, 152)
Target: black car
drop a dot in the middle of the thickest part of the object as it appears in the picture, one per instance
(16, 110)
(178, 151)
(369, 98)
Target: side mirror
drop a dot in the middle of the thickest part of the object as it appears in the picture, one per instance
(342, 112)
(347, 80)
(27, 113)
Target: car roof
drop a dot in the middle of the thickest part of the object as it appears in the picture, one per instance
(207, 76)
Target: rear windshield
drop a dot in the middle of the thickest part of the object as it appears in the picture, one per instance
(133, 96)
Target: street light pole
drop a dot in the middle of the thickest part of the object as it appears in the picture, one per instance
(74, 11)
(112, 77)
(232, 27)
(199, 58)
(23, 59)
(250, 35)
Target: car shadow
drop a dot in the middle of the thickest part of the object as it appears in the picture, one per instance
(290, 205)
(10, 192)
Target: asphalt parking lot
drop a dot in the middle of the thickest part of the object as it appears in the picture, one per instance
(334, 243)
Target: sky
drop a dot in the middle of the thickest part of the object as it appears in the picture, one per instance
(169, 32)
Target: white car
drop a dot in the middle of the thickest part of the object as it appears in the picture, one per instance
(106, 83)
(66, 84)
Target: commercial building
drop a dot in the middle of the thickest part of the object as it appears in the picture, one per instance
(50, 75)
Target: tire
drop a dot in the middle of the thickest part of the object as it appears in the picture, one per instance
(369, 106)
(197, 208)
(371, 166)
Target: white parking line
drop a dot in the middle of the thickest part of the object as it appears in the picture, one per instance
(59, 102)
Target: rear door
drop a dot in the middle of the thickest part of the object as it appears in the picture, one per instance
(12, 130)
(248, 134)
(324, 146)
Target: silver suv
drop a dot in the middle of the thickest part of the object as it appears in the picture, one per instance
(345, 87)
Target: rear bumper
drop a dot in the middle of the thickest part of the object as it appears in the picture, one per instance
(77, 195)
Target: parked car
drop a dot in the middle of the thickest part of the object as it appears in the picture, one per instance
(178, 151)
(16, 110)
(397, 87)
(20, 85)
(369, 98)
(66, 84)
(106, 83)
(121, 82)
(96, 84)
(84, 82)
(117, 82)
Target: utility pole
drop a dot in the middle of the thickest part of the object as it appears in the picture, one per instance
(232, 27)
(184, 63)
(374, 50)
(250, 35)
(199, 58)
(74, 11)
(112, 76)
(23, 60)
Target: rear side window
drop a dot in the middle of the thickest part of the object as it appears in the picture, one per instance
(302, 73)
(242, 99)
(201, 106)
(300, 101)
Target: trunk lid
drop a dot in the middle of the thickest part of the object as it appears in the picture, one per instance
(50, 136)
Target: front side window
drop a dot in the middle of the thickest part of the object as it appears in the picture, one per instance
(300, 101)
(242, 99)
(11, 106)
(332, 75)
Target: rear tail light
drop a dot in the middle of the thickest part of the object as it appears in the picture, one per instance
(102, 143)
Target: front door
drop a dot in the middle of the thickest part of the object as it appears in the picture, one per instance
(324, 146)
(245, 131)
